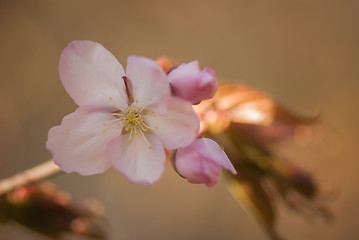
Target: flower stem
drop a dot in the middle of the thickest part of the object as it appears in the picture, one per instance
(33, 174)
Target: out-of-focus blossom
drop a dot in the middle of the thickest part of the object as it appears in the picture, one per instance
(252, 113)
(248, 123)
(45, 209)
(202, 162)
(126, 120)
(192, 84)
(166, 63)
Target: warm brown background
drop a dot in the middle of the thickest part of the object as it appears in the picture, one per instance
(303, 53)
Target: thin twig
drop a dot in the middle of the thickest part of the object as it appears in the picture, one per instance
(33, 174)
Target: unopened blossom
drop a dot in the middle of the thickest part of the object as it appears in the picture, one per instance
(202, 162)
(192, 84)
(125, 119)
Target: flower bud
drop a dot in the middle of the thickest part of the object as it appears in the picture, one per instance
(202, 162)
(192, 84)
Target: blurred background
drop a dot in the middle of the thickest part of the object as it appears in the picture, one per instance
(305, 54)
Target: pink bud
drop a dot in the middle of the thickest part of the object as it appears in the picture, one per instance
(192, 84)
(202, 162)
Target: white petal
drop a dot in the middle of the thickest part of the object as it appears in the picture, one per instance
(179, 127)
(139, 163)
(150, 86)
(79, 143)
(92, 75)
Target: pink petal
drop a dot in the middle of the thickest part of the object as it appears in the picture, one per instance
(211, 150)
(179, 127)
(202, 162)
(139, 163)
(192, 84)
(150, 86)
(92, 75)
(79, 143)
(195, 168)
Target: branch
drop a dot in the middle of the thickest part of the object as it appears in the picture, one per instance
(33, 174)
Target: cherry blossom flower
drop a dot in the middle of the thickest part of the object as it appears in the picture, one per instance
(192, 84)
(202, 162)
(124, 120)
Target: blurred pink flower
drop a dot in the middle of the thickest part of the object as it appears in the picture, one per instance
(124, 120)
(202, 162)
(192, 84)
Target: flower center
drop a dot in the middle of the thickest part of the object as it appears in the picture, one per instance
(133, 118)
(133, 123)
